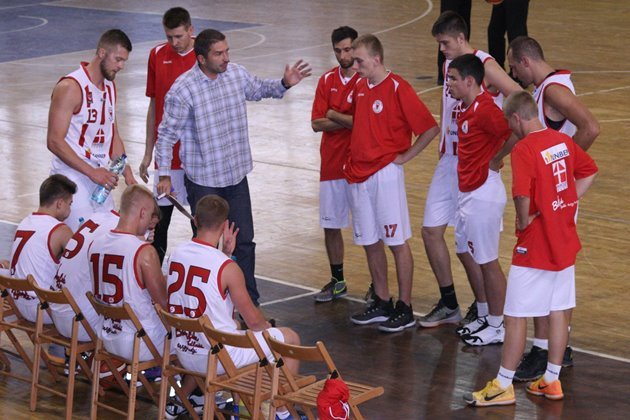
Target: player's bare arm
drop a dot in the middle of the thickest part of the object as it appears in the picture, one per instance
(148, 265)
(59, 239)
(523, 218)
(66, 100)
(325, 124)
(422, 141)
(561, 103)
(583, 184)
(497, 161)
(295, 73)
(233, 280)
(149, 143)
(345, 120)
(118, 148)
(498, 79)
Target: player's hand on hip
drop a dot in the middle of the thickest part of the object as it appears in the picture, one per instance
(164, 186)
(144, 169)
(295, 73)
(104, 177)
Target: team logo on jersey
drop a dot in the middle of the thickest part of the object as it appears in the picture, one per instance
(377, 106)
(465, 127)
(99, 138)
(349, 98)
(557, 152)
(560, 173)
(521, 250)
(110, 114)
(88, 98)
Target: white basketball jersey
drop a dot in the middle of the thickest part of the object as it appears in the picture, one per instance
(563, 78)
(112, 258)
(91, 129)
(194, 289)
(31, 253)
(74, 268)
(452, 108)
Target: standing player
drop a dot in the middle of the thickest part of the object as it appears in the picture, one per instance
(561, 110)
(40, 240)
(166, 62)
(204, 280)
(334, 92)
(482, 132)
(451, 33)
(386, 113)
(82, 130)
(125, 268)
(549, 175)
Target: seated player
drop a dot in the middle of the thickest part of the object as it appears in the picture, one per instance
(216, 289)
(126, 268)
(40, 239)
(550, 173)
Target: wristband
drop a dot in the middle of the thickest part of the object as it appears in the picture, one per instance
(285, 84)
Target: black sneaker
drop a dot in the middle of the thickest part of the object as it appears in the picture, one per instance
(175, 408)
(567, 359)
(379, 311)
(401, 318)
(471, 314)
(532, 365)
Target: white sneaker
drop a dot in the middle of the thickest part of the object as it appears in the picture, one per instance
(486, 335)
(472, 327)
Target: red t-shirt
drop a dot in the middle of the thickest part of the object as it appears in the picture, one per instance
(333, 93)
(482, 129)
(165, 66)
(545, 165)
(385, 117)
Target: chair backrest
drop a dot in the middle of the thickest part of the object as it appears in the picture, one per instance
(124, 312)
(62, 297)
(179, 322)
(7, 284)
(220, 339)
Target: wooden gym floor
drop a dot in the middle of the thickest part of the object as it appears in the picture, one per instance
(424, 372)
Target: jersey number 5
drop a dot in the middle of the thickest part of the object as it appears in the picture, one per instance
(186, 280)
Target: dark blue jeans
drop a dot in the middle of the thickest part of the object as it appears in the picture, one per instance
(240, 203)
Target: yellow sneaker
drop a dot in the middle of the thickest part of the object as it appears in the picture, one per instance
(552, 391)
(492, 394)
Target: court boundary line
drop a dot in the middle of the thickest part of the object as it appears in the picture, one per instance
(312, 291)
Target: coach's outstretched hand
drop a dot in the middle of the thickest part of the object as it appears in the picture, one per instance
(294, 74)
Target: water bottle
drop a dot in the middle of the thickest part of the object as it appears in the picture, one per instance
(100, 192)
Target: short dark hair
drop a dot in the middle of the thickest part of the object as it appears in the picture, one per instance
(372, 44)
(55, 187)
(342, 33)
(113, 38)
(176, 17)
(211, 211)
(524, 46)
(469, 65)
(206, 39)
(450, 23)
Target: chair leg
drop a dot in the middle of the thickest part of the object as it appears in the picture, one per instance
(72, 368)
(96, 368)
(35, 373)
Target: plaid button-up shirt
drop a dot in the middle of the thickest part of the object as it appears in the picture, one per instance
(210, 118)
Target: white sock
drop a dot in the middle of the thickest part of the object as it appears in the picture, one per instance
(482, 309)
(543, 343)
(495, 320)
(283, 414)
(552, 373)
(505, 377)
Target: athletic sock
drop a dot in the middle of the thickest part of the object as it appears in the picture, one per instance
(449, 298)
(495, 320)
(283, 414)
(337, 272)
(543, 343)
(552, 373)
(505, 377)
(482, 309)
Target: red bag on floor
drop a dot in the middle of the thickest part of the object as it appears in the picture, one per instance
(332, 401)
